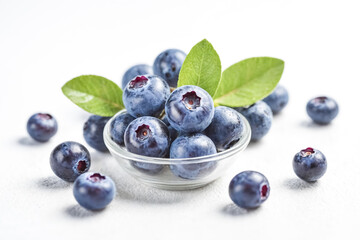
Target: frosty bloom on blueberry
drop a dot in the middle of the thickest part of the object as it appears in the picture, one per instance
(190, 146)
(189, 109)
(168, 64)
(118, 127)
(249, 189)
(278, 99)
(42, 126)
(139, 69)
(69, 160)
(309, 164)
(146, 96)
(322, 110)
(94, 191)
(259, 116)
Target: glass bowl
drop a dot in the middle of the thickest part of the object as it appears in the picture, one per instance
(159, 172)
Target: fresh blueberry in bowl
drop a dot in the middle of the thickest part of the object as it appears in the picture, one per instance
(259, 116)
(42, 126)
(309, 164)
(93, 132)
(226, 128)
(94, 191)
(191, 146)
(69, 160)
(173, 134)
(249, 189)
(322, 110)
(139, 69)
(189, 109)
(168, 64)
(147, 136)
(118, 127)
(278, 99)
(145, 95)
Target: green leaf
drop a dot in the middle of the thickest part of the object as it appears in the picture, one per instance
(248, 81)
(94, 94)
(201, 67)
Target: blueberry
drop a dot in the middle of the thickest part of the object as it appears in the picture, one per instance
(322, 110)
(168, 64)
(226, 128)
(148, 168)
(140, 69)
(93, 132)
(118, 127)
(172, 131)
(69, 160)
(189, 109)
(309, 164)
(94, 191)
(146, 96)
(190, 146)
(259, 116)
(249, 189)
(278, 99)
(147, 136)
(42, 126)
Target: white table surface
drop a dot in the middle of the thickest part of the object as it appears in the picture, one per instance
(43, 44)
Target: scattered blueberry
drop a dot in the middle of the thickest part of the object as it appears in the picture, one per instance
(309, 164)
(322, 110)
(118, 127)
(259, 116)
(249, 189)
(278, 99)
(189, 109)
(168, 64)
(226, 128)
(146, 96)
(147, 136)
(69, 160)
(94, 191)
(190, 146)
(140, 69)
(42, 126)
(93, 132)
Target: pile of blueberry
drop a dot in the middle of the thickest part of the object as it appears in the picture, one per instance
(168, 122)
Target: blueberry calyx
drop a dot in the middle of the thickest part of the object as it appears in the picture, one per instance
(96, 177)
(44, 116)
(143, 132)
(81, 166)
(264, 191)
(320, 99)
(306, 152)
(191, 100)
(138, 82)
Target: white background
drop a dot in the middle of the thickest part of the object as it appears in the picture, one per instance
(43, 44)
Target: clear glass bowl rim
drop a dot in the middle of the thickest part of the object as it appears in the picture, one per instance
(121, 152)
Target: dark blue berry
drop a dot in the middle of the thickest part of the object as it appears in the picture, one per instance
(172, 131)
(259, 116)
(190, 146)
(309, 164)
(148, 168)
(278, 99)
(140, 69)
(94, 191)
(168, 64)
(189, 109)
(226, 128)
(322, 110)
(249, 189)
(146, 96)
(69, 160)
(118, 127)
(42, 126)
(93, 132)
(147, 136)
